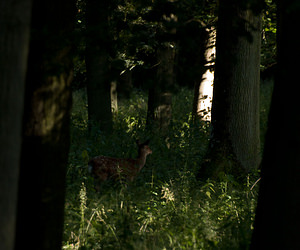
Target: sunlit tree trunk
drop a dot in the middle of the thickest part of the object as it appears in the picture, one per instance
(14, 41)
(45, 143)
(98, 48)
(235, 140)
(277, 218)
(203, 92)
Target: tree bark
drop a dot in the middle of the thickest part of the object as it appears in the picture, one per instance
(114, 96)
(98, 47)
(203, 92)
(14, 41)
(234, 146)
(160, 94)
(45, 143)
(277, 217)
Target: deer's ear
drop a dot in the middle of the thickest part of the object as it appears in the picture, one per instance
(147, 142)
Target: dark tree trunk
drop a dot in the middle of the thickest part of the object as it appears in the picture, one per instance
(234, 146)
(98, 48)
(125, 84)
(14, 41)
(160, 94)
(45, 143)
(277, 217)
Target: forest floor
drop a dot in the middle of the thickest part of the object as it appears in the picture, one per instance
(166, 207)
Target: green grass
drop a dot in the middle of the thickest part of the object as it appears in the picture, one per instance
(166, 207)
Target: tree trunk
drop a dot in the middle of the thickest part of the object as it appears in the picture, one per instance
(125, 85)
(14, 41)
(234, 146)
(160, 95)
(114, 96)
(98, 48)
(277, 217)
(45, 143)
(203, 92)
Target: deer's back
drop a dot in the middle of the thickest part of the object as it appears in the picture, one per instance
(104, 167)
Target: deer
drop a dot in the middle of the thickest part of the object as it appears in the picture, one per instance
(104, 168)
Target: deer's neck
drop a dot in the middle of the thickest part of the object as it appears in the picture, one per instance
(141, 161)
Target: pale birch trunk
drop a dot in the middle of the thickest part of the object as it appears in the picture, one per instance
(204, 89)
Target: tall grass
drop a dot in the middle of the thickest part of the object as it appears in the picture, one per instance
(166, 207)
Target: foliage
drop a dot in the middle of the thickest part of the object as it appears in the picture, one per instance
(138, 29)
(166, 207)
(162, 215)
(136, 26)
(268, 48)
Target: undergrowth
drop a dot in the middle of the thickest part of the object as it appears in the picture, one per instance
(166, 207)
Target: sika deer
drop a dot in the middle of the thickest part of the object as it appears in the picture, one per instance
(104, 167)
